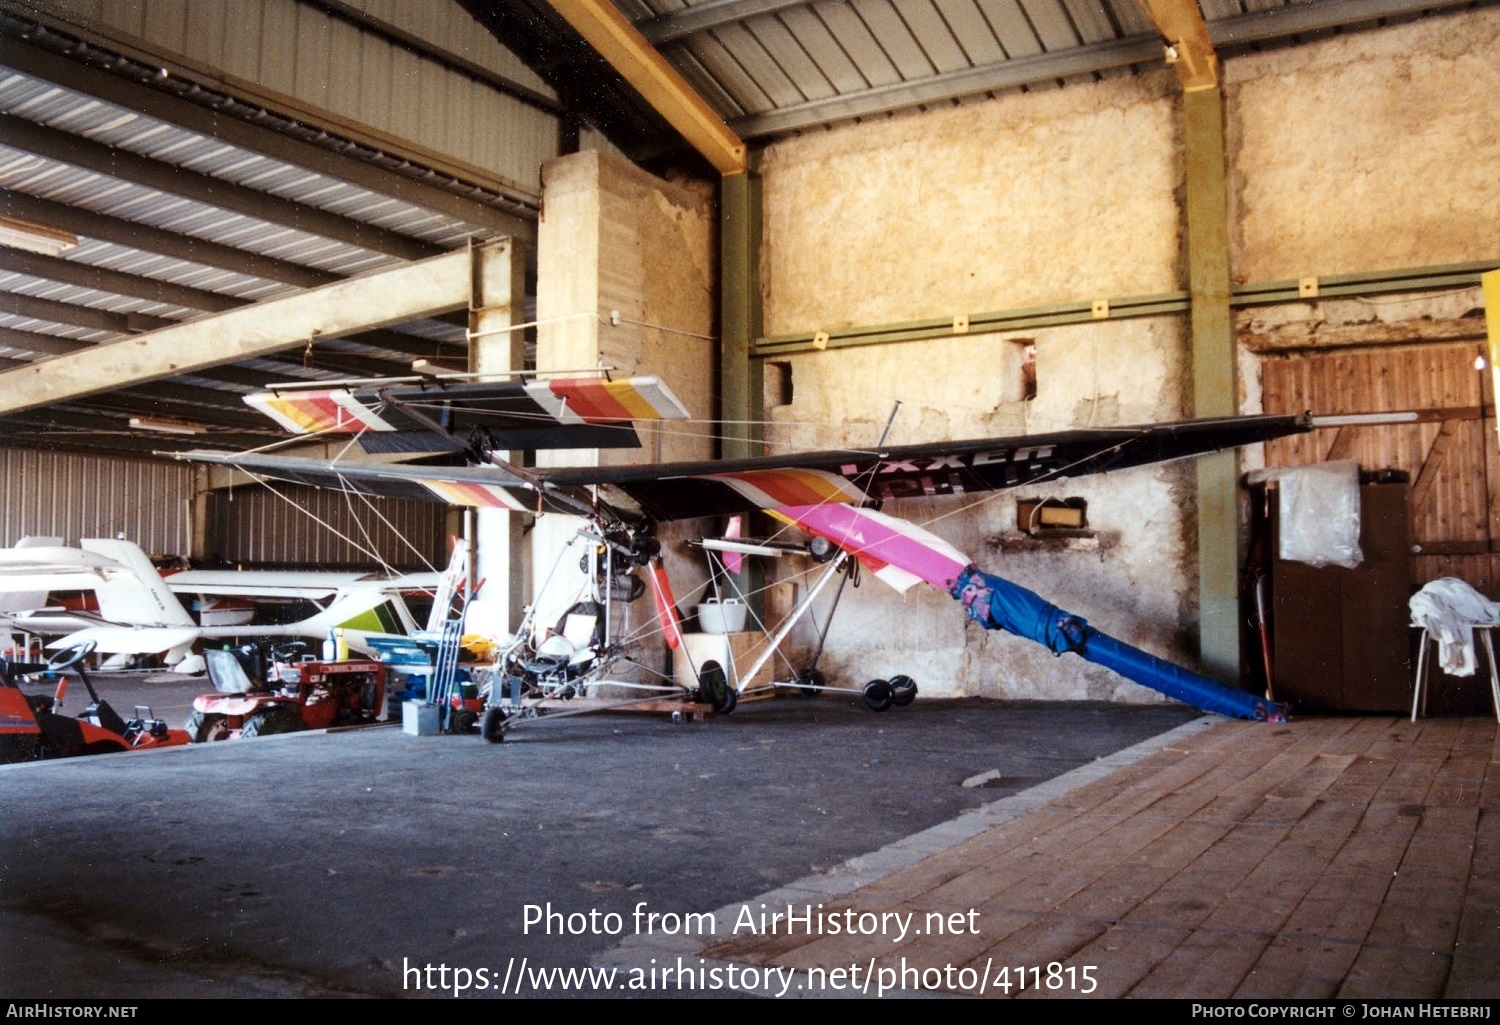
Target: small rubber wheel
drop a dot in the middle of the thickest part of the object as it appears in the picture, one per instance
(492, 726)
(271, 722)
(878, 695)
(903, 690)
(714, 688)
(462, 720)
(206, 727)
(811, 682)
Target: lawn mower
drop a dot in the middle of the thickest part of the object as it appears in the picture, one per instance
(290, 692)
(32, 727)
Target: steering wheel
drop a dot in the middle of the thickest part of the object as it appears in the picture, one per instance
(70, 656)
(288, 651)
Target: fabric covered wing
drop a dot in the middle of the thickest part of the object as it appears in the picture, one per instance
(672, 491)
(574, 412)
(897, 551)
(722, 487)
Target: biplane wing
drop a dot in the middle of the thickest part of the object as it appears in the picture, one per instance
(668, 491)
(437, 414)
(828, 494)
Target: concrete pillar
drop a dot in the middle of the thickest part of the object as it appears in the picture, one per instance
(499, 559)
(626, 279)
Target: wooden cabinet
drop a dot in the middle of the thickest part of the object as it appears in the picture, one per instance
(1341, 638)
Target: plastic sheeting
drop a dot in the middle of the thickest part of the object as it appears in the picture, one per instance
(997, 604)
(1318, 512)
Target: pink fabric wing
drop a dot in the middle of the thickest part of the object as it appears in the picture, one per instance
(898, 552)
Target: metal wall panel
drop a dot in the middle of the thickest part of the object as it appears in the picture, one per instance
(286, 525)
(72, 497)
(359, 76)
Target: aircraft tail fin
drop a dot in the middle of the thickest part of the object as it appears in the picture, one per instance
(139, 596)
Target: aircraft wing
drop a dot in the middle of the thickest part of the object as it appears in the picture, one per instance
(438, 414)
(669, 491)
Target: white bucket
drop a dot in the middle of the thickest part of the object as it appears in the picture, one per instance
(722, 617)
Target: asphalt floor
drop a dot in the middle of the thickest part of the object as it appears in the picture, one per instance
(377, 863)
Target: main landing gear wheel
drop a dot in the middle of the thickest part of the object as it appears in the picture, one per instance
(492, 727)
(903, 690)
(811, 682)
(714, 688)
(878, 695)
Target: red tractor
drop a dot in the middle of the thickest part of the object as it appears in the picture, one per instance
(291, 693)
(32, 727)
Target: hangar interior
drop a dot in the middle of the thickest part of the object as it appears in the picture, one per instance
(817, 220)
(1005, 218)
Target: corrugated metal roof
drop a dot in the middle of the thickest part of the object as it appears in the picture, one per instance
(206, 200)
(770, 67)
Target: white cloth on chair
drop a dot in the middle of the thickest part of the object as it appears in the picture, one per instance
(1449, 609)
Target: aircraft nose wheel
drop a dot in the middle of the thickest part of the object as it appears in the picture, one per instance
(492, 727)
(903, 690)
(878, 695)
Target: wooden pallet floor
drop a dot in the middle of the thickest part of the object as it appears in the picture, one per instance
(1328, 857)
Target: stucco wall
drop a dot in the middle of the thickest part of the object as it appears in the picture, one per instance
(1367, 151)
(1022, 201)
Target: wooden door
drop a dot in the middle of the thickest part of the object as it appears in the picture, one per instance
(1450, 451)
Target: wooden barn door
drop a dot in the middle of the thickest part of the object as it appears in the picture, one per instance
(1450, 452)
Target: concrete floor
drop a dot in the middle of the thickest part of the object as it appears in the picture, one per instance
(1143, 851)
(349, 864)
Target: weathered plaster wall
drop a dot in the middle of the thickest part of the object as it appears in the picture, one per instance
(1015, 202)
(626, 278)
(1364, 152)
(1367, 151)
(1021, 201)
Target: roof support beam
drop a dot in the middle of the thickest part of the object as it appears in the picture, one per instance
(42, 345)
(404, 293)
(664, 28)
(1296, 19)
(88, 224)
(356, 15)
(113, 162)
(114, 282)
(75, 315)
(648, 72)
(1189, 49)
(1009, 74)
(108, 432)
(102, 279)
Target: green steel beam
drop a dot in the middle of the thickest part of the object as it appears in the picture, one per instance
(741, 392)
(1215, 388)
(1414, 279)
(741, 388)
